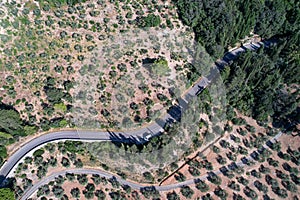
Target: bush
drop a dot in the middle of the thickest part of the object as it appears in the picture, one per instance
(187, 192)
(75, 192)
(221, 193)
(250, 193)
(70, 176)
(290, 186)
(242, 180)
(58, 191)
(194, 171)
(261, 187)
(180, 177)
(10, 121)
(41, 172)
(173, 196)
(90, 187)
(65, 162)
(280, 192)
(214, 179)
(233, 185)
(256, 174)
(202, 186)
(150, 20)
(149, 191)
(82, 179)
(100, 194)
(216, 149)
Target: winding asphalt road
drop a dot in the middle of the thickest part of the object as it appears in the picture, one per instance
(135, 135)
(28, 193)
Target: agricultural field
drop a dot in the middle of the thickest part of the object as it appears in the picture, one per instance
(241, 164)
(96, 64)
(148, 163)
(244, 164)
(149, 99)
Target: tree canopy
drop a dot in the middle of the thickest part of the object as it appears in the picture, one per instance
(259, 83)
(7, 194)
(220, 23)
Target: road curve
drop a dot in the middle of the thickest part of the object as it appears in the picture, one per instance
(155, 127)
(28, 193)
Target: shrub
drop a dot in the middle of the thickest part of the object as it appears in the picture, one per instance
(180, 177)
(214, 179)
(58, 191)
(261, 187)
(82, 179)
(65, 162)
(75, 192)
(149, 191)
(233, 185)
(100, 194)
(250, 193)
(221, 193)
(187, 192)
(202, 186)
(173, 196)
(38, 152)
(150, 20)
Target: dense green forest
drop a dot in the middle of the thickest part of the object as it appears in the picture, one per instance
(260, 84)
(220, 23)
(11, 128)
(263, 83)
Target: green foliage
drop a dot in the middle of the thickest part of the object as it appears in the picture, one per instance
(149, 191)
(5, 135)
(221, 193)
(271, 18)
(233, 185)
(60, 107)
(250, 193)
(173, 196)
(180, 177)
(58, 3)
(82, 179)
(215, 179)
(11, 127)
(75, 192)
(218, 24)
(74, 146)
(255, 84)
(100, 194)
(187, 192)
(29, 130)
(148, 176)
(5, 38)
(10, 121)
(150, 20)
(202, 186)
(38, 152)
(160, 67)
(7, 194)
(58, 191)
(55, 95)
(3, 152)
